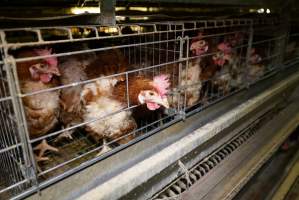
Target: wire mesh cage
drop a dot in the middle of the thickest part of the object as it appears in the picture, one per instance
(74, 95)
(291, 49)
(14, 176)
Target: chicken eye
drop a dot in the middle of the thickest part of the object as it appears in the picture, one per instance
(43, 66)
(217, 55)
(151, 93)
(202, 43)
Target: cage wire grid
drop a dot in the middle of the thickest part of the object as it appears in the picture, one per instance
(150, 49)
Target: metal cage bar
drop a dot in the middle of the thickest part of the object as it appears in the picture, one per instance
(202, 64)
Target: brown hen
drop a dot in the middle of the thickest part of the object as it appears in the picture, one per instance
(41, 109)
(105, 98)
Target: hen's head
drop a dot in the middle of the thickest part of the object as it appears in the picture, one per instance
(199, 46)
(223, 54)
(45, 70)
(235, 39)
(155, 96)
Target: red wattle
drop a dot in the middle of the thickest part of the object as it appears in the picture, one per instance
(152, 106)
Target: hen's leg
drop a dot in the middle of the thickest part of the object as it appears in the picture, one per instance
(41, 159)
(66, 134)
(105, 148)
(42, 148)
(205, 98)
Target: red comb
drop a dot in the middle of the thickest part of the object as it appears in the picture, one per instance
(161, 83)
(44, 52)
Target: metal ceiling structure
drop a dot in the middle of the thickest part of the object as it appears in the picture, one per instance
(207, 2)
(169, 3)
(18, 12)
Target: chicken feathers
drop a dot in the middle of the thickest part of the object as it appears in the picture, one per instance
(42, 109)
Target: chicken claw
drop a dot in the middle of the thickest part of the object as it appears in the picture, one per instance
(42, 148)
(66, 135)
(41, 159)
(105, 148)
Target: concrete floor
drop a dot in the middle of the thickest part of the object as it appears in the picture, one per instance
(278, 178)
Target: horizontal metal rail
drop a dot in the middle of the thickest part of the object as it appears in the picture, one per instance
(6, 149)
(207, 24)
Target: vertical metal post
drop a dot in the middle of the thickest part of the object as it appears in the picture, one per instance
(30, 165)
(107, 12)
(286, 27)
(127, 89)
(249, 46)
(286, 17)
(180, 109)
(186, 71)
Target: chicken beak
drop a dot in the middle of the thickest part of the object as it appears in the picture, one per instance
(161, 101)
(55, 71)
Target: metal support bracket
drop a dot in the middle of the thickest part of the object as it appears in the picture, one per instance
(107, 12)
(250, 39)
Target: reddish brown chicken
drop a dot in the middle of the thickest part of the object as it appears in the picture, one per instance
(235, 66)
(107, 63)
(212, 63)
(77, 68)
(41, 109)
(211, 67)
(256, 66)
(72, 71)
(190, 77)
(223, 59)
(106, 97)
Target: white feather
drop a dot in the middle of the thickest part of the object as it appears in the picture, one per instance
(104, 106)
(44, 100)
(110, 125)
(99, 86)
